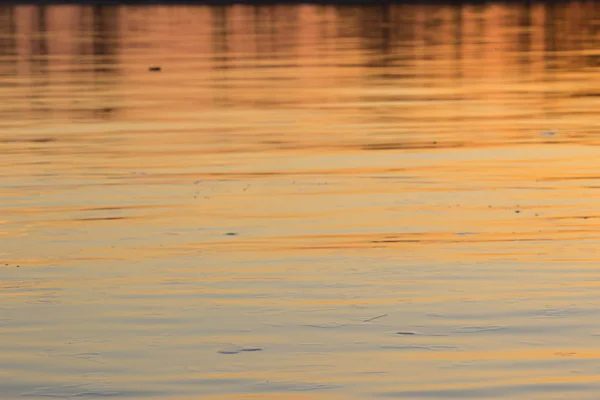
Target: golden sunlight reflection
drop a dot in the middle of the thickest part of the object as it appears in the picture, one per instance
(299, 201)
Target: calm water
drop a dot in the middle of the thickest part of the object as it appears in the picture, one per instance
(306, 202)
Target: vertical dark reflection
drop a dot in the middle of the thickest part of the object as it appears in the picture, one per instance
(8, 41)
(326, 28)
(551, 40)
(405, 33)
(220, 55)
(348, 25)
(8, 56)
(105, 35)
(105, 25)
(284, 31)
(456, 43)
(432, 30)
(257, 32)
(550, 57)
(8, 60)
(265, 32)
(38, 60)
(275, 32)
(457, 40)
(376, 29)
(524, 25)
(263, 23)
(220, 37)
(98, 48)
(591, 12)
(581, 18)
(479, 35)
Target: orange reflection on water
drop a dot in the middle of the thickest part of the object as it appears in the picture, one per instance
(307, 201)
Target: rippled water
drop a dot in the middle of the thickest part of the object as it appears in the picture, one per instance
(305, 202)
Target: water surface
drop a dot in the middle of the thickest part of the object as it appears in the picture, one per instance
(306, 202)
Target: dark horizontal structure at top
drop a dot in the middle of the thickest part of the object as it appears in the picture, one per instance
(267, 2)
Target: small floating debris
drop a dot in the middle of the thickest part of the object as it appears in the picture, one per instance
(238, 349)
(405, 333)
(478, 329)
(374, 318)
(229, 350)
(231, 234)
(154, 69)
(252, 349)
